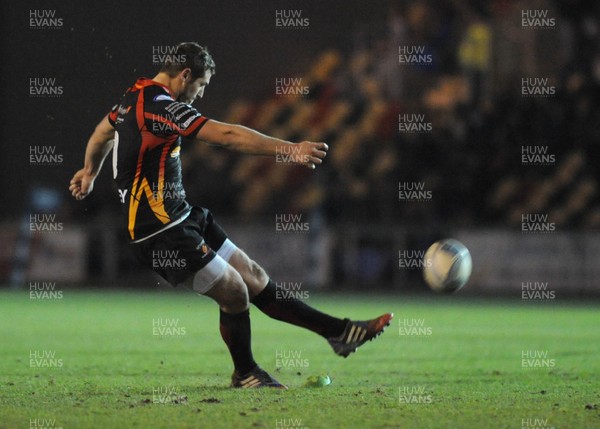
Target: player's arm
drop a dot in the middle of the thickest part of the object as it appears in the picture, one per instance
(242, 139)
(98, 147)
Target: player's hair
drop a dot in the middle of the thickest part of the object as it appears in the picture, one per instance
(189, 55)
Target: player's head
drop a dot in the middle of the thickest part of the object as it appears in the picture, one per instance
(192, 66)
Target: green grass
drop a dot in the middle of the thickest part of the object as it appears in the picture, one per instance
(470, 367)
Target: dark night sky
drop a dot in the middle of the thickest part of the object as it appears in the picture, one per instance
(103, 47)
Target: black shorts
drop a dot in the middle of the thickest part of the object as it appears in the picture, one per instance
(179, 252)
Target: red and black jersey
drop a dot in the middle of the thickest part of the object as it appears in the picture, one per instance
(149, 124)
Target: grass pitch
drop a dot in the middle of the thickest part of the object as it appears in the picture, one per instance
(156, 360)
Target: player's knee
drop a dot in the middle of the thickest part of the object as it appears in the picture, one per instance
(257, 274)
(235, 298)
(253, 274)
(255, 278)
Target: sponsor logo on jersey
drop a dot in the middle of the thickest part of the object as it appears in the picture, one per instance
(122, 194)
(121, 113)
(176, 152)
(163, 97)
(203, 247)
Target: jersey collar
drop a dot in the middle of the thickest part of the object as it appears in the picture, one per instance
(143, 82)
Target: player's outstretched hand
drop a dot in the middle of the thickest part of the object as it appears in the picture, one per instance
(81, 184)
(312, 153)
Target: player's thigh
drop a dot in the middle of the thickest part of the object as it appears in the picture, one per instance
(229, 291)
(220, 281)
(179, 253)
(182, 255)
(253, 275)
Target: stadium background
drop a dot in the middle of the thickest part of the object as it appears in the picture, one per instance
(469, 163)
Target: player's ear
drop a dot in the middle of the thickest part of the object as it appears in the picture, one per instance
(186, 74)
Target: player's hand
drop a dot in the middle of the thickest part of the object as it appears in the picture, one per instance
(81, 184)
(312, 154)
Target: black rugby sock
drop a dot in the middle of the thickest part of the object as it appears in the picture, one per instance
(297, 313)
(236, 332)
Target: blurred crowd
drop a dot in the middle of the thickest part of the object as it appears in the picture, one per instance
(465, 86)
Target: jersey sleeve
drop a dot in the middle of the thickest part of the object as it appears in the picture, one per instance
(112, 115)
(165, 116)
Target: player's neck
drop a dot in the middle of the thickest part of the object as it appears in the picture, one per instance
(169, 82)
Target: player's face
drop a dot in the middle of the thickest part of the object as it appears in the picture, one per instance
(195, 88)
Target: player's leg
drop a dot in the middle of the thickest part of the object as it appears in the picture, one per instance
(263, 294)
(209, 274)
(221, 282)
(227, 289)
(344, 335)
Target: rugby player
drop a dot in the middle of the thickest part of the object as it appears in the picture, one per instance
(144, 130)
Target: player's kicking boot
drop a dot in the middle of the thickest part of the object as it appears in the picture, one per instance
(257, 377)
(357, 333)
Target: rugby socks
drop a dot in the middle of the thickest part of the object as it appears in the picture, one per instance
(235, 330)
(297, 313)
